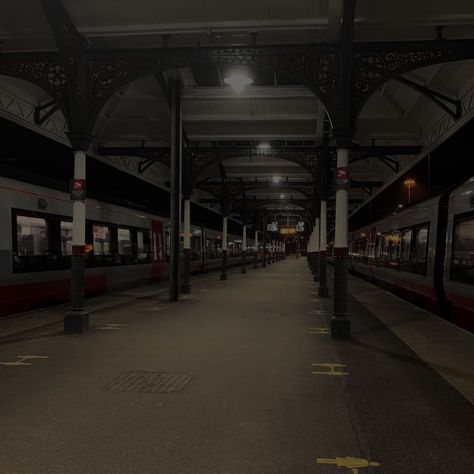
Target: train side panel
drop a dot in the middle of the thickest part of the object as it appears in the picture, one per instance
(459, 258)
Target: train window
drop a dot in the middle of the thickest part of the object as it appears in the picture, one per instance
(395, 240)
(32, 236)
(385, 247)
(462, 263)
(420, 251)
(143, 246)
(406, 245)
(101, 239)
(66, 238)
(124, 241)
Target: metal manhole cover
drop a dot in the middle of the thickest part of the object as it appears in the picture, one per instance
(261, 314)
(154, 382)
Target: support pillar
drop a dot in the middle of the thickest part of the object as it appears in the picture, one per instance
(77, 318)
(264, 244)
(186, 284)
(224, 249)
(323, 283)
(243, 268)
(317, 231)
(340, 324)
(176, 161)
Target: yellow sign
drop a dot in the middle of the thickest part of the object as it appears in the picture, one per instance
(354, 464)
(332, 369)
(287, 230)
(21, 360)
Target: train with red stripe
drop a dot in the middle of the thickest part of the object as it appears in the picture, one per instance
(424, 253)
(128, 247)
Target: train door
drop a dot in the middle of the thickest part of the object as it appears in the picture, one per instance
(157, 251)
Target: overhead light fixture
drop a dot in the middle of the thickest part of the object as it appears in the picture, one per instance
(282, 196)
(276, 179)
(264, 146)
(238, 80)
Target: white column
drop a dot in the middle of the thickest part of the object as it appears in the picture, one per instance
(187, 225)
(340, 238)
(324, 230)
(244, 238)
(224, 234)
(310, 242)
(79, 207)
(256, 241)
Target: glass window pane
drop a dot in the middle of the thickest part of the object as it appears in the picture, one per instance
(124, 240)
(462, 265)
(101, 239)
(406, 245)
(66, 238)
(395, 240)
(421, 245)
(32, 236)
(143, 245)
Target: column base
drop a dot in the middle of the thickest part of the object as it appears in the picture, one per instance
(340, 327)
(323, 291)
(316, 278)
(76, 321)
(243, 270)
(223, 276)
(186, 288)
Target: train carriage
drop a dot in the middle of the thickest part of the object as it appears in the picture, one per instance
(126, 247)
(424, 253)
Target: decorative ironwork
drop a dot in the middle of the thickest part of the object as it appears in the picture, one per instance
(43, 69)
(375, 63)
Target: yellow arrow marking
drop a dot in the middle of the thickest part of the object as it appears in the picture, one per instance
(332, 369)
(354, 464)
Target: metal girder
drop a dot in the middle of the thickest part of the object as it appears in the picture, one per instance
(101, 73)
(437, 98)
(144, 165)
(241, 187)
(366, 186)
(51, 108)
(74, 71)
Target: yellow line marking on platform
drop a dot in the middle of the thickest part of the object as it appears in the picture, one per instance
(21, 360)
(112, 326)
(332, 369)
(353, 464)
(319, 330)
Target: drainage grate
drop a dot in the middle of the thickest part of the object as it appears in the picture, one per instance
(261, 314)
(154, 382)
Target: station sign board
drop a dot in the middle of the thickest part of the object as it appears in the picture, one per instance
(287, 230)
(272, 227)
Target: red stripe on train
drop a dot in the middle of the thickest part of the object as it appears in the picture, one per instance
(28, 296)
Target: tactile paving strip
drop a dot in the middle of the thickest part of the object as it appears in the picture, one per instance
(261, 314)
(154, 382)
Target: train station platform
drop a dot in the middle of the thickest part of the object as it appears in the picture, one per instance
(240, 376)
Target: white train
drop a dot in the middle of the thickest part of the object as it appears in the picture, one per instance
(129, 247)
(424, 253)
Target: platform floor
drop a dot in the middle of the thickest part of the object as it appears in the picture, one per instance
(266, 395)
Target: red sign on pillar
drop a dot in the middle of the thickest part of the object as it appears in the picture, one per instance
(78, 189)
(342, 177)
